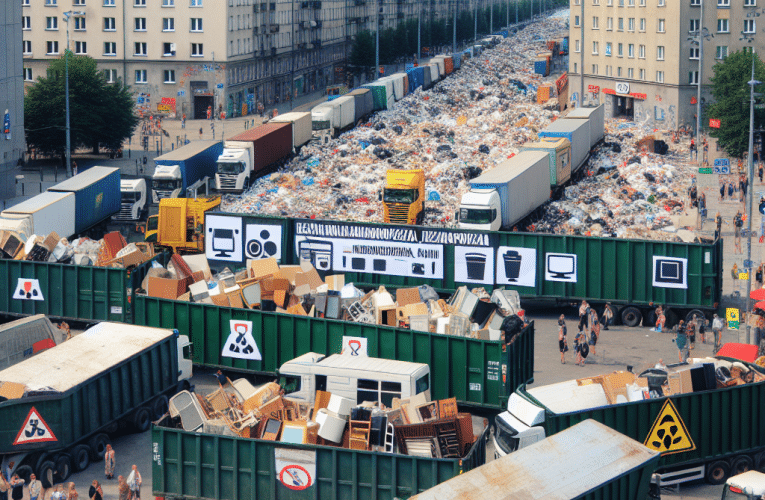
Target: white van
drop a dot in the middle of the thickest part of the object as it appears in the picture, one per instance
(354, 377)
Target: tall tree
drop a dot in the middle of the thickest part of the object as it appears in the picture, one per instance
(100, 113)
(362, 57)
(731, 101)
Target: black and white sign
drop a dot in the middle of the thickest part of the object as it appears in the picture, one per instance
(223, 238)
(670, 272)
(560, 267)
(474, 265)
(622, 88)
(516, 266)
(263, 241)
(28, 289)
(240, 343)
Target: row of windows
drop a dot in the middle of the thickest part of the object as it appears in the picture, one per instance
(112, 3)
(720, 53)
(110, 48)
(723, 25)
(110, 24)
(724, 4)
(693, 76)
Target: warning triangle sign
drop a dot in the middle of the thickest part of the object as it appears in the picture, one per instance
(240, 343)
(34, 430)
(669, 434)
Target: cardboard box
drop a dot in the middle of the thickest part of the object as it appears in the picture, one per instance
(167, 288)
(406, 296)
(686, 381)
(198, 262)
(261, 268)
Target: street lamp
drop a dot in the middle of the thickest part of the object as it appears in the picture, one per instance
(66, 90)
(697, 37)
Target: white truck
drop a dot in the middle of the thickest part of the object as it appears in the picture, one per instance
(332, 117)
(182, 172)
(301, 126)
(133, 201)
(250, 154)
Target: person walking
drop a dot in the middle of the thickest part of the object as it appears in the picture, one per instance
(4, 487)
(134, 482)
(122, 488)
(109, 462)
(743, 184)
(692, 149)
(183, 121)
(760, 171)
(717, 326)
(690, 329)
(608, 315)
(17, 487)
(35, 487)
(702, 212)
(72, 492)
(681, 340)
(95, 492)
(200, 133)
(594, 330)
(722, 192)
(212, 127)
(731, 190)
(718, 222)
(738, 223)
(562, 342)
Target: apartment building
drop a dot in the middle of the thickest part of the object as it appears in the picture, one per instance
(12, 144)
(641, 57)
(185, 56)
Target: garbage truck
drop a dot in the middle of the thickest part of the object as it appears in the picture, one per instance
(251, 153)
(59, 407)
(185, 169)
(179, 225)
(404, 196)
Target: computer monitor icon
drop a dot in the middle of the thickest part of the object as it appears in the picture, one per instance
(223, 241)
(669, 271)
(561, 265)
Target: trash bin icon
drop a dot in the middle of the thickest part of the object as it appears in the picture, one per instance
(476, 265)
(512, 265)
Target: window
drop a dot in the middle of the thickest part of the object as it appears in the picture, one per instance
(630, 73)
(610, 23)
(661, 3)
(631, 3)
(383, 392)
(25, 3)
(642, 74)
(694, 27)
(79, 24)
(196, 24)
(631, 50)
(750, 3)
(694, 53)
(169, 76)
(140, 76)
(79, 2)
(661, 25)
(749, 26)
(80, 47)
(621, 24)
(110, 48)
(595, 23)
(608, 49)
(594, 69)
(620, 50)
(631, 24)
(168, 24)
(140, 24)
(693, 78)
(27, 44)
(595, 48)
(642, 24)
(51, 48)
(642, 3)
(641, 51)
(576, 21)
(27, 74)
(51, 3)
(108, 3)
(658, 114)
(575, 69)
(26, 23)
(618, 71)
(621, 3)
(111, 75)
(168, 3)
(695, 3)
(660, 77)
(197, 49)
(576, 46)
(196, 3)
(140, 49)
(723, 3)
(721, 52)
(139, 3)
(168, 49)
(660, 53)
(51, 23)
(722, 26)
(109, 24)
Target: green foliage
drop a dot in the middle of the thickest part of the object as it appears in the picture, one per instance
(363, 51)
(731, 101)
(99, 112)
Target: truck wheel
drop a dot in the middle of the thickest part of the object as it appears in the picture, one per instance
(142, 419)
(631, 316)
(759, 462)
(63, 468)
(98, 446)
(246, 184)
(741, 464)
(81, 457)
(694, 313)
(717, 472)
(649, 318)
(45, 473)
(24, 472)
(159, 406)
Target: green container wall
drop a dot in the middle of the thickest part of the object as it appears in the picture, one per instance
(89, 407)
(73, 292)
(720, 422)
(469, 369)
(633, 485)
(195, 465)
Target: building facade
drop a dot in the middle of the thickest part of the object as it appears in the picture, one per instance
(12, 143)
(188, 56)
(641, 57)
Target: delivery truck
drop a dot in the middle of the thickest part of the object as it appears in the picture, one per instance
(42, 214)
(182, 172)
(59, 407)
(703, 418)
(301, 127)
(332, 117)
(404, 196)
(25, 337)
(134, 202)
(383, 95)
(587, 460)
(506, 194)
(577, 131)
(97, 197)
(363, 103)
(251, 154)
(595, 115)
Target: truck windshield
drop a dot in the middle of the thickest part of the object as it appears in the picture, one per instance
(164, 185)
(230, 168)
(153, 223)
(505, 436)
(400, 195)
(476, 216)
(130, 196)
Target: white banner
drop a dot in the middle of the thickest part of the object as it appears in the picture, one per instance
(560, 267)
(240, 342)
(223, 238)
(670, 272)
(516, 266)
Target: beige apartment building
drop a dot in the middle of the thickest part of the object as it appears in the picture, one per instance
(640, 58)
(185, 56)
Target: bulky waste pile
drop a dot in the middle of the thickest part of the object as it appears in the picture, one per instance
(298, 289)
(412, 426)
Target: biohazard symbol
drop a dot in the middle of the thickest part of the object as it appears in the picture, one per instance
(668, 434)
(34, 430)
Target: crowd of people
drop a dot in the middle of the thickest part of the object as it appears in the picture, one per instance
(588, 332)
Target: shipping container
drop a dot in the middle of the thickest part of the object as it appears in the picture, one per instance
(416, 78)
(364, 103)
(43, 214)
(97, 195)
(400, 85)
(271, 142)
(479, 373)
(559, 151)
(578, 133)
(196, 465)
(427, 79)
(301, 126)
(184, 167)
(596, 116)
(567, 465)
(439, 63)
(382, 93)
(540, 67)
(435, 74)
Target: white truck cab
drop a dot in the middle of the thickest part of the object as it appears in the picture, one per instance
(321, 123)
(166, 182)
(133, 199)
(480, 209)
(185, 365)
(358, 378)
(234, 166)
(518, 427)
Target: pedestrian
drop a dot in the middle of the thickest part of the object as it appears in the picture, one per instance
(693, 194)
(95, 492)
(722, 192)
(183, 121)
(260, 109)
(690, 329)
(72, 493)
(35, 487)
(706, 152)
(17, 487)
(122, 488)
(212, 127)
(681, 340)
(74, 167)
(743, 184)
(702, 212)
(562, 342)
(717, 326)
(109, 462)
(134, 482)
(660, 365)
(582, 349)
(4, 487)
(693, 149)
(200, 133)
(584, 316)
(718, 222)
(661, 319)
(738, 223)
(608, 315)
(760, 171)
(594, 329)
(209, 112)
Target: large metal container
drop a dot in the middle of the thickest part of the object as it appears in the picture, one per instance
(96, 195)
(596, 116)
(578, 133)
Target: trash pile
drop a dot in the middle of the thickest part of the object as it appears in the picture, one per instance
(467, 123)
(299, 289)
(110, 251)
(412, 426)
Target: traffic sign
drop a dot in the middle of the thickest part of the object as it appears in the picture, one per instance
(748, 264)
(706, 170)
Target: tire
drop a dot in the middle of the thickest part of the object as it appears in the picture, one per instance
(692, 313)
(63, 468)
(741, 464)
(650, 317)
(24, 471)
(141, 419)
(631, 316)
(45, 473)
(80, 457)
(717, 472)
(98, 446)
(159, 406)
(246, 184)
(759, 462)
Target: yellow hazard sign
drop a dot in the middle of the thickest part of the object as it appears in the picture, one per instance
(731, 314)
(743, 276)
(668, 434)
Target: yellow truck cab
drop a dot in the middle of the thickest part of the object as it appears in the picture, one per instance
(404, 196)
(180, 223)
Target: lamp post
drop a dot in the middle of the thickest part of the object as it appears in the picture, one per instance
(749, 194)
(697, 37)
(67, 15)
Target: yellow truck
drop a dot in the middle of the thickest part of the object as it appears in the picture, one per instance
(404, 196)
(180, 223)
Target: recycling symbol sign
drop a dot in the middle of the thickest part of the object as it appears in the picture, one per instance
(240, 342)
(668, 434)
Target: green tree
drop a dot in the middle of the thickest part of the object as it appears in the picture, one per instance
(731, 101)
(362, 57)
(100, 113)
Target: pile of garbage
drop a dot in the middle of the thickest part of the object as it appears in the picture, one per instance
(299, 289)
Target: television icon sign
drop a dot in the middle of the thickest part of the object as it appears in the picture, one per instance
(670, 272)
(560, 267)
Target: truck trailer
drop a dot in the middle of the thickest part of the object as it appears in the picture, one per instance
(301, 127)
(251, 154)
(25, 337)
(97, 197)
(185, 169)
(60, 406)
